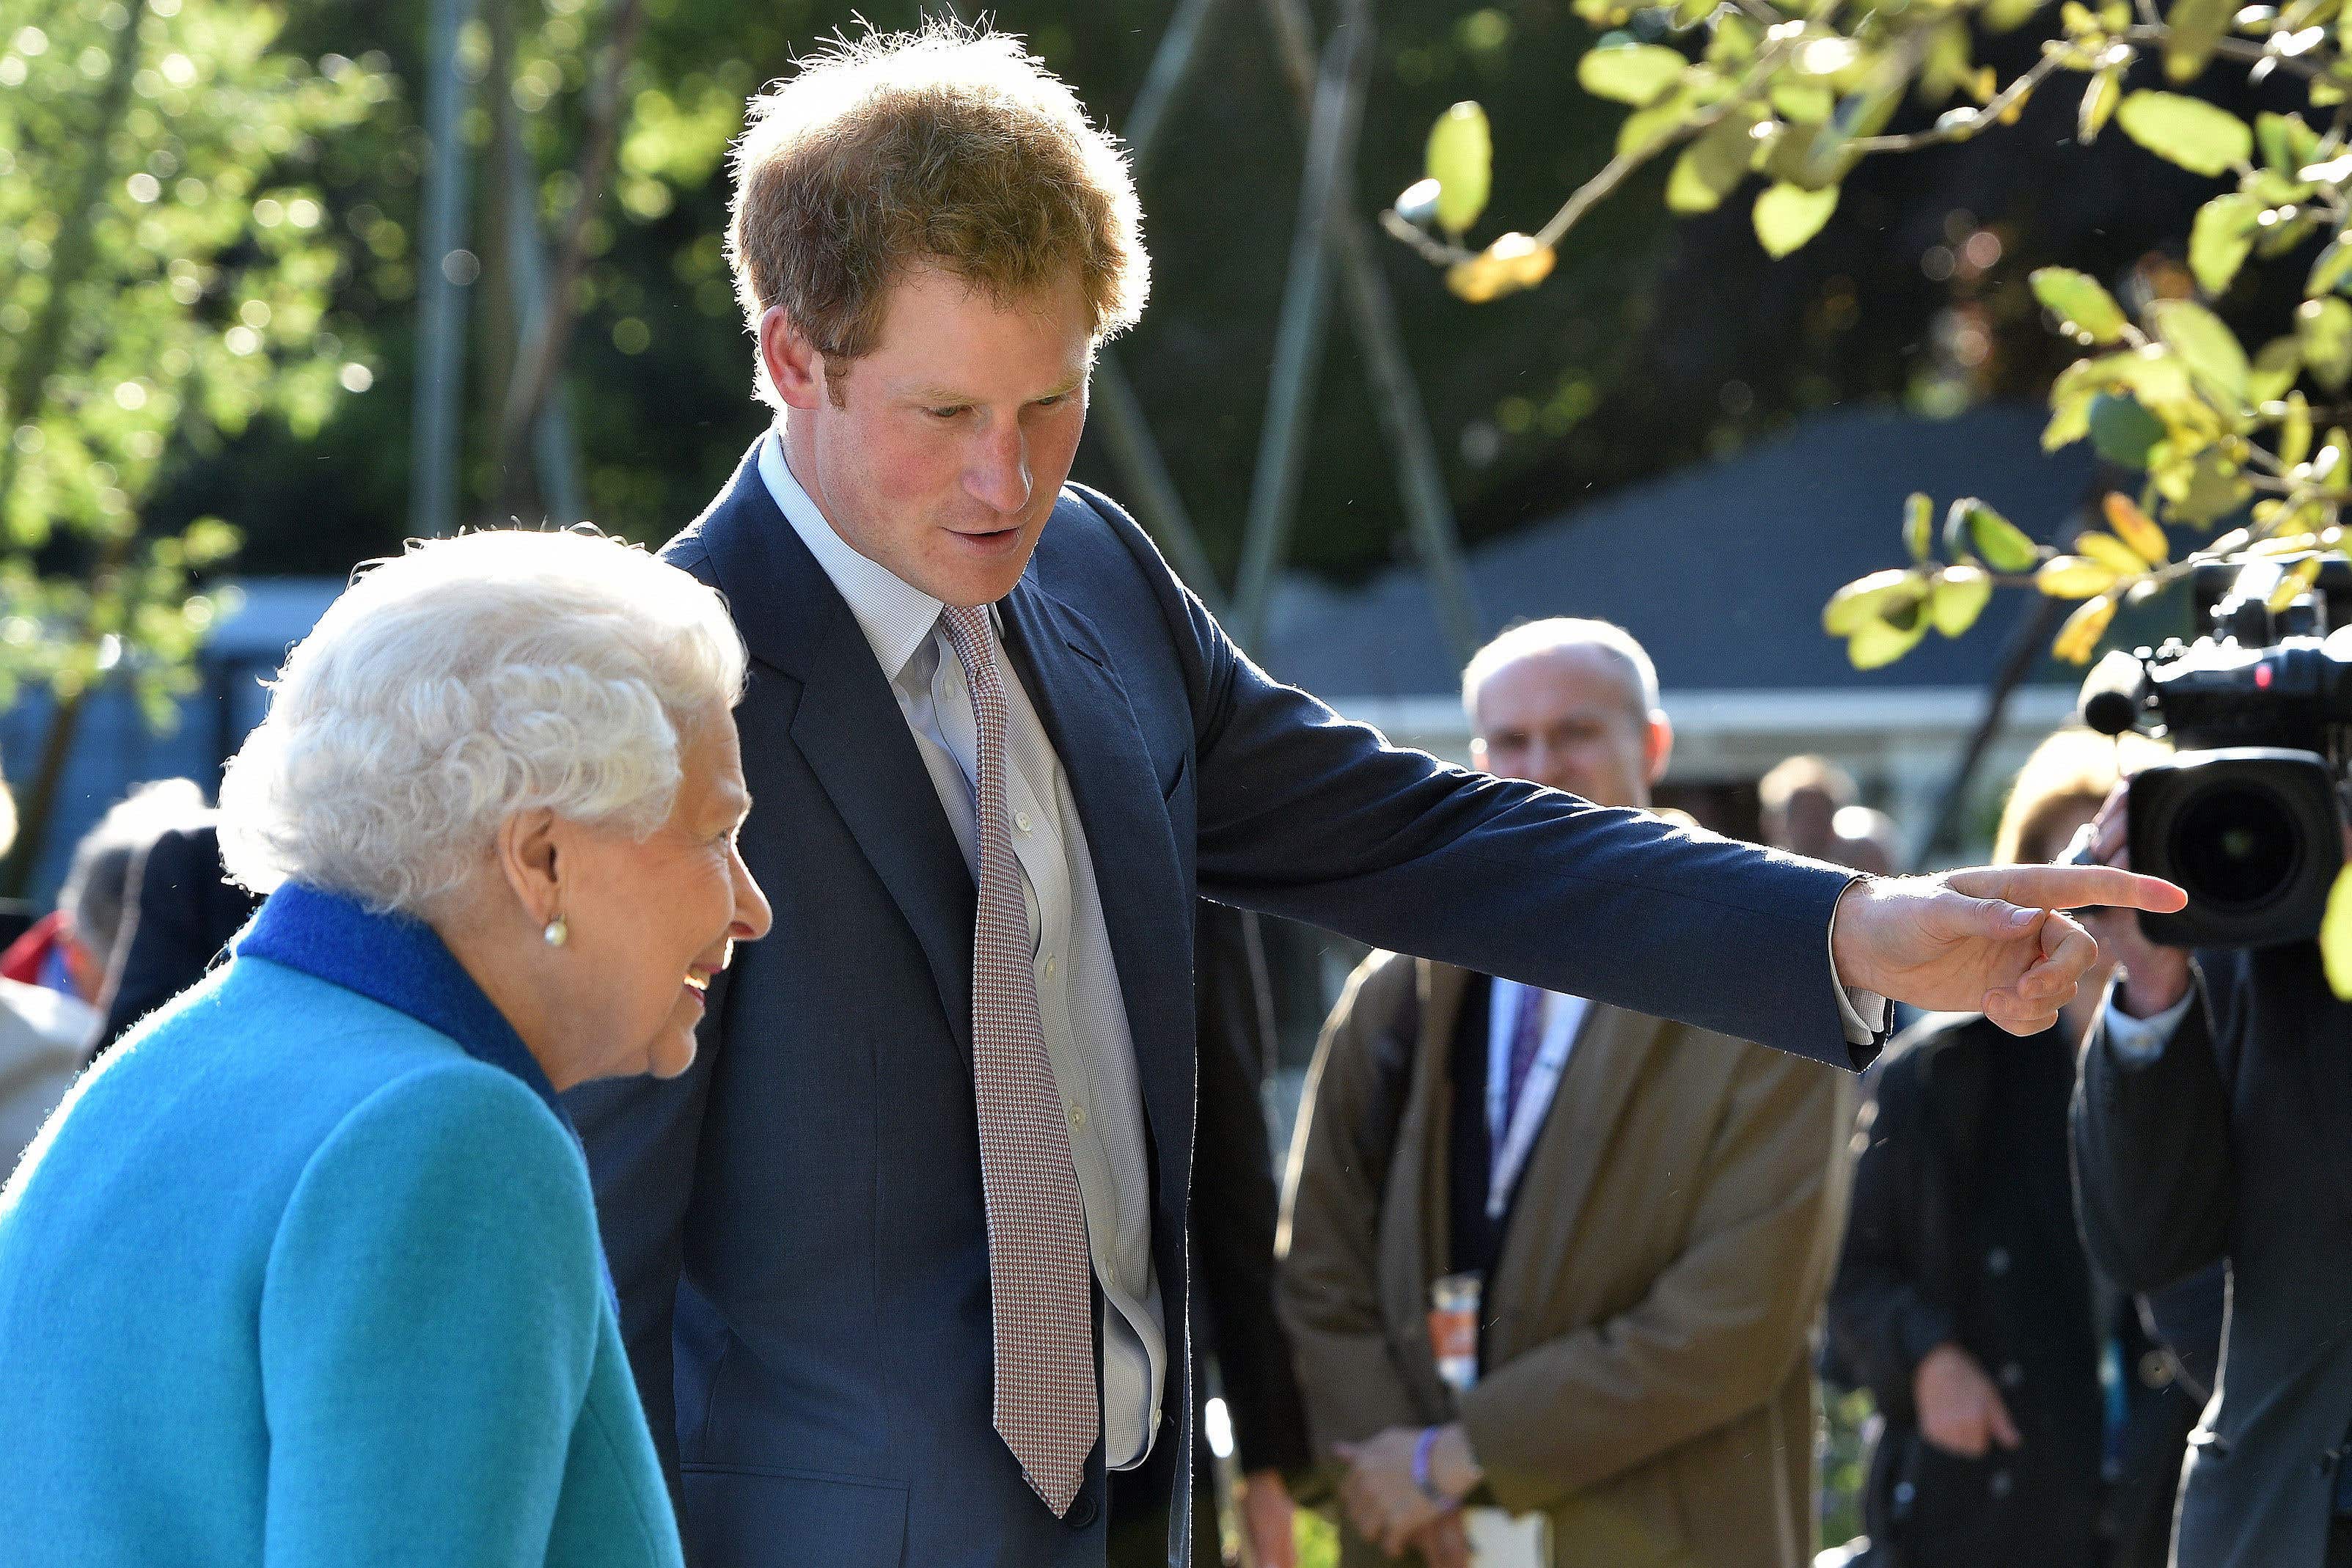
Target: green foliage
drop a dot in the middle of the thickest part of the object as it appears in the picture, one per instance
(163, 286)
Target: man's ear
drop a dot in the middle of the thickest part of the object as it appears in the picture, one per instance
(1658, 745)
(793, 363)
(529, 858)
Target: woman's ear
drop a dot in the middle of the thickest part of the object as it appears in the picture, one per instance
(529, 858)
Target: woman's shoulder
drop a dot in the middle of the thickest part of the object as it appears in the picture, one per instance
(449, 1106)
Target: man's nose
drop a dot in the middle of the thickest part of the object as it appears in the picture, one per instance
(998, 473)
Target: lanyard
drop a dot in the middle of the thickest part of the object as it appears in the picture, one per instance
(1512, 1146)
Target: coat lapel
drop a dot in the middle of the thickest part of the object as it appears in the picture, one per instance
(847, 726)
(1603, 1068)
(1064, 669)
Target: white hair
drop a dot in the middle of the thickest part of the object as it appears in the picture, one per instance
(462, 682)
(1534, 639)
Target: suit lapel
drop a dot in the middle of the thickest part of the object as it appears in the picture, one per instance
(1603, 1067)
(1067, 674)
(847, 726)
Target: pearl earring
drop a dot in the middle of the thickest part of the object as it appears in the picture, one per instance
(557, 933)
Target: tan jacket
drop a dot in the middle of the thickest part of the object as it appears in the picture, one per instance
(1647, 1381)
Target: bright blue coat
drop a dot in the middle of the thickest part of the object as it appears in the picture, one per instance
(299, 1275)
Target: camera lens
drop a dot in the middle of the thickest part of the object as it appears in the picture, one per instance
(2236, 847)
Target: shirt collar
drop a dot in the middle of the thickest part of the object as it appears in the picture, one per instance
(896, 618)
(396, 961)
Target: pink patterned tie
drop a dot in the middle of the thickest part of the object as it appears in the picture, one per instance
(1040, 1278)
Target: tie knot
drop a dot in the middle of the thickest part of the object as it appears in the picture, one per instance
(967, 627)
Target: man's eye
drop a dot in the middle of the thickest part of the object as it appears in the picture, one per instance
(944, 413)
(1054, 402)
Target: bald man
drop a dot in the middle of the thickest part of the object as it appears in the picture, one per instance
(1652, 1212)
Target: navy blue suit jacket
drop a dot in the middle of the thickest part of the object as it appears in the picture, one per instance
(796, 1225)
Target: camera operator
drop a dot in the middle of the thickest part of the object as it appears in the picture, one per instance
(2212, 1120)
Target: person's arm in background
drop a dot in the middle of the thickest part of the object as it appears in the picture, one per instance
(1233, 1217)
(428, 1327)
(642, 1136)
(1886, 1328)
(1720, 1326)
(1327, 1285)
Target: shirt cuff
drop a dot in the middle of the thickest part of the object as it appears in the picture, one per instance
(1865, 1013)
(2136, 1042)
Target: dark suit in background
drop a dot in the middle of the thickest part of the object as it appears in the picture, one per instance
(796, 1224)
(2235, 1141)
(182, 912)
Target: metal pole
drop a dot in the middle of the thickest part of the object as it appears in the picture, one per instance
(1372, 310)
(1118, 414)
(440, 324)
(1171, 63)
(1299, 341)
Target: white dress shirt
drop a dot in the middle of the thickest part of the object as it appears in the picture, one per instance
(1078, 998)
(1509, 1142)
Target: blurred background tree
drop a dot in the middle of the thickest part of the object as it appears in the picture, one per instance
(164, 280)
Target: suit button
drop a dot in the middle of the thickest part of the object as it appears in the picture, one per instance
(1082, 1508)
(1997, 1261)
(2000, 1483)
(2012, 1375)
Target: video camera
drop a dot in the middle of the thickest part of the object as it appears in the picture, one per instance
(2247, 816)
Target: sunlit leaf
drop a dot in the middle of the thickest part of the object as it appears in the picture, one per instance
(2195, 26)
(1960, 596)
(2220, 240)
(2073, 577)
(1920, 526)
(2276, 368)
(1972, 528)
(2323, 329)
(1871, 598)
(1715, 162)
(2200, 338)
(1881, 643)
(2135, 528)
(2122, 430)
(2335, 936)
(2111, 552)
(1512, 263)
(2077, 300)
(2078, 638)
(2100, 96)
(1461, 159)
(1629, 72)
(1788, 215)
(2189, 132)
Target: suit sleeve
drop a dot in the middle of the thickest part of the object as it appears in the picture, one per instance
(1234, 1216)
(643, 1137)
(428, 1323)
(1304, 814)
(1328, 1286)
(1721, 1327)
(2153, 1181)
(182, 912)
(1881, 1321)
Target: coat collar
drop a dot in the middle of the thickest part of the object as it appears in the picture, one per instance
(396, 961)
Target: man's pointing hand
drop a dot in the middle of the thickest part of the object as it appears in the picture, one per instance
(1987, 940)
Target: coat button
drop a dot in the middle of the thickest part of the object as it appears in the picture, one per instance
(1997, 1261)
(2000, 1483)
(1082, 1508)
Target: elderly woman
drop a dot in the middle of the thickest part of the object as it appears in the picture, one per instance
(306, 1270)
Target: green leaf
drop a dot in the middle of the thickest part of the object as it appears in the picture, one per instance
(2077, 300)
(2333, 266)
(1788, 215)
(1974, 529)
(1920, 526)
(1712, 166)
(2195, 26)
(2188, 131)
(2324, 329)
(2198, 336)
(2222, 239)
(1960, 594)
(2008, 15)
(2335, 936)
(1881, 643)
(1947, 65)
(1802, 102)
(1461, 159)
(1871, 598)
(2098, 105)
(1646, 129)
(2287, 144)
(2294, 431)
(2122, 430)
(2278, 367)
(1629, 72)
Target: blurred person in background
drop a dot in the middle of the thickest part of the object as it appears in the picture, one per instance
(2028, 1418)
(78, 947)
(1808, 806)
(306, 1270)
(182, 910)
(45, 1039)
(1652, 1211)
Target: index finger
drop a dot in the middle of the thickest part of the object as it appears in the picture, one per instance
(2068, 888)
